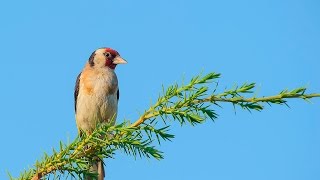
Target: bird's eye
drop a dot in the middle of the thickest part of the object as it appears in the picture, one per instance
(107, 54)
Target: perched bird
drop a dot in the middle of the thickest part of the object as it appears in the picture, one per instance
(96, 94)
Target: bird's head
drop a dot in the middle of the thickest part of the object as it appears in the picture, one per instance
(105, 58)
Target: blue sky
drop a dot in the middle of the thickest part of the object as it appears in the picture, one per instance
(274, 43)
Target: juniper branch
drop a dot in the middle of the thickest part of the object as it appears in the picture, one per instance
(191, 97)
(75, 158)
(190, 103)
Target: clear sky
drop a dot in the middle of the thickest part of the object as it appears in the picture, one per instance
(274, 43)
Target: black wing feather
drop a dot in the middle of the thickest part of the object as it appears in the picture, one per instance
(118, 94)
(76, 92)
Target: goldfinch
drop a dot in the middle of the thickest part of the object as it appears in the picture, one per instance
(96, 94)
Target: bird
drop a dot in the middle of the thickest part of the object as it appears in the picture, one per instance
(96, 95)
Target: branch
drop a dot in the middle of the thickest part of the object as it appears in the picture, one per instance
(233, 96)
(190, 103)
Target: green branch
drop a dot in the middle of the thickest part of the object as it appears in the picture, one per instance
(190, 103)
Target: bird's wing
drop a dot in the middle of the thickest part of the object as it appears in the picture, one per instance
(118, 94)
(76, 92)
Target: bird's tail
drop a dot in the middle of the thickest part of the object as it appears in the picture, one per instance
(97, 167)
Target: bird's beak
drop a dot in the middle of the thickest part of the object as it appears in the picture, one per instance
(119, 60)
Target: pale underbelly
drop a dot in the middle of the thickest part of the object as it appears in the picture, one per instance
(92, 110)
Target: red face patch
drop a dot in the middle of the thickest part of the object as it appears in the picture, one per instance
(109, 60)
(110, 64)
